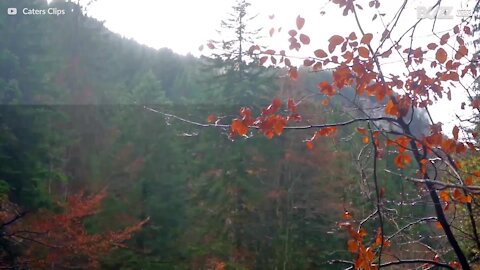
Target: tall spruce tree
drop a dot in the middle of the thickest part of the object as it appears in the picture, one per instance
(238, 78)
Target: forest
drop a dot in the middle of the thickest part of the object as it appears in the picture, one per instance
(115, 155)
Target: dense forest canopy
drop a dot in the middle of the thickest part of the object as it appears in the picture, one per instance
(115, 155)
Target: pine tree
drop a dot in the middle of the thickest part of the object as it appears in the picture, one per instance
(238, 78)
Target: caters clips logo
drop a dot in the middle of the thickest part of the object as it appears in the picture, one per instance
(32, 11)
(463, 9)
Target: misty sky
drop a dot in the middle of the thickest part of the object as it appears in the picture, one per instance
(183, 25)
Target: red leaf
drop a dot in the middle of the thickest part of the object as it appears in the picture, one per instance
(363, 52)
(292, 33)
(211, 118)
(444, 39)
(432, 46)
(308, 62)
(287, 62)
(462, 51)
(263, 59)
(455, 132)
(326, 88)
(210, 46)
(291, 105)
(309, 144)
(334, 41)
(238, 127)
(441, 55)
(305, 39)
(366, 39)
(293, 73)
(300, 22)
(352, 36)
(320, 53)
(272, 30)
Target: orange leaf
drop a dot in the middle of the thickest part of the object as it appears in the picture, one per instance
(366, 39)
(309, 145)
(211, 118)
(462, 51)
(362, 131)
(300, 22)
(326, 131)
(326, 88)
(444, 196)
(365, 140)
(239, 127)
(468, 180)
(293, 73)
(459, 196)
(347, 215)
(352, 246)
(390, 108)
(363, 52)
(441, 55)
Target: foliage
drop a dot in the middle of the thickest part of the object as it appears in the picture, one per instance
(60, 240)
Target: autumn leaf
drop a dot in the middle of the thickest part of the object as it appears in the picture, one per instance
(366, 39)
(304, 39)
(363, 52)
(461, 52)
(334, 41)
(300, 22)
(441, 55)
(455, 132)
(326, 88)
(444, 196)
(269, 52)
(365, 140)
(352, 246)
(309, 145)
(293, 73)
(347, 215)
(352, 36)
(432, 46)
(272, 31)
(391, 108)
(211, 118)
(238, 127)
(444, 39)
(320, 53)
(210, 46)
(263, 59)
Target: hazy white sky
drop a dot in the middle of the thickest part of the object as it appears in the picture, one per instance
(183, 25)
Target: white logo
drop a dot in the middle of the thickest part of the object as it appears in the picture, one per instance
(12, 11)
